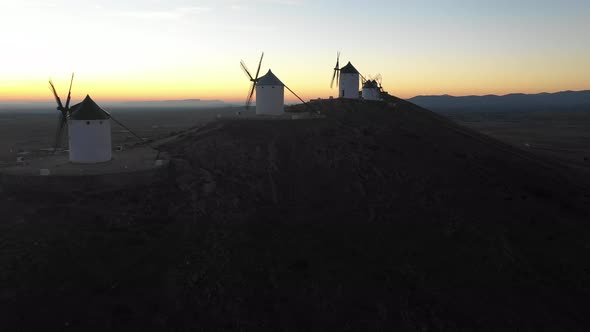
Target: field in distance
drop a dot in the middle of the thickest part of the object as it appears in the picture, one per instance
(561, 135)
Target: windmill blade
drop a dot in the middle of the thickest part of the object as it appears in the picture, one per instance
(333, 77)
(363, 78)
(245, 69)
(59, 133)
(69, 93)
(52, 88)
(250, 96)
(259, 64)
(336, 74)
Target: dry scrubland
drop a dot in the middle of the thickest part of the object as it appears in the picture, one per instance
(561, 135)
(373, 218)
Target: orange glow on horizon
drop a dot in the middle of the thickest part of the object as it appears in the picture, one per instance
(38, 92)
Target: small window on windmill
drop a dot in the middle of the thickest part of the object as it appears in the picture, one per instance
(100, 122)
(87, 122)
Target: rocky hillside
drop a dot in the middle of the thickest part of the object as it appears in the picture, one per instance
(379, 216)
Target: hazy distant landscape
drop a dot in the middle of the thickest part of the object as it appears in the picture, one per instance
(555, 125)
(564, 135)
(565, 101)
(549, 124)
(30, 129)
(49, 107)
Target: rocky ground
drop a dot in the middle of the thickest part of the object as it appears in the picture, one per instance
(380, 216)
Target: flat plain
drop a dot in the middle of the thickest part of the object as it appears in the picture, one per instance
(562, 135)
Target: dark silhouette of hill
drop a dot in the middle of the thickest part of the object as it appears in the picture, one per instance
(560, 101)
(380, 216)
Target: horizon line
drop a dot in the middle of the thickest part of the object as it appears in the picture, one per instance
(233, 102)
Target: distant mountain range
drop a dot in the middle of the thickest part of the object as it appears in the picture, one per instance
(560, 101)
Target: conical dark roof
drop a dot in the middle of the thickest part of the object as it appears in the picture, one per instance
(269, 79)
(87, 110)
(349, 69)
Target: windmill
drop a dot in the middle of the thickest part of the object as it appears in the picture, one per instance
(254, 80)
(349, 82)
(88, 126)
(336, 75)
(371, 89)
(270, 92)
(65, 111)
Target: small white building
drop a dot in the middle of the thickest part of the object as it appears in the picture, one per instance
(270, 95)
(371, 90)
(89, 131)
(349, 82)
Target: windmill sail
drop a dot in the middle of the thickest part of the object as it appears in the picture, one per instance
(254, 80)
(336, 74)
(63, 119)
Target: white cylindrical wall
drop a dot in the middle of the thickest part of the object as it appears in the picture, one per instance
(371, 94)
(270, 99)
(349, 86)
(90, 141)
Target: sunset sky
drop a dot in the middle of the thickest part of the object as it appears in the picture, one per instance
(176, 49)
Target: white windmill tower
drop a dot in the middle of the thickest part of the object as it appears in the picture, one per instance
(89, 129)
(349, 82)
(270, 95)
(270, 92)
(347, 78)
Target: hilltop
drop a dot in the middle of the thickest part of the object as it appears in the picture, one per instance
(378, 216)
